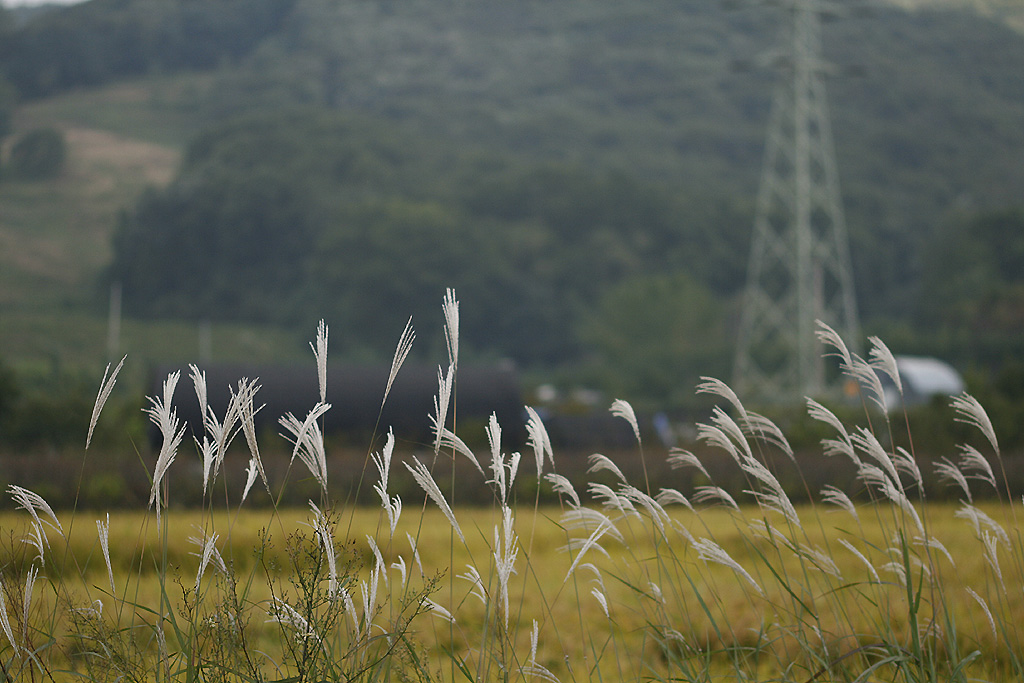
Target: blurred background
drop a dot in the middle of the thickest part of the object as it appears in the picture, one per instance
(204, 180)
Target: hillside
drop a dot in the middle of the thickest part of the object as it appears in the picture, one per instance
(649, 97)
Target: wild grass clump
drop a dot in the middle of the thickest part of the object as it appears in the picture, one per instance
(624, 580)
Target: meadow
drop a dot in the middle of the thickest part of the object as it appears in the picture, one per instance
(622, 580)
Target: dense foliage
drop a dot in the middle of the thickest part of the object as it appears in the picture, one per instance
(552, 160)
(365, 224)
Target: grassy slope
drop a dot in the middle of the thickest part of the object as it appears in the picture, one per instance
(55, 236)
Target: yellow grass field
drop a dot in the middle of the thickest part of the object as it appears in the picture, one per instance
(837, 585)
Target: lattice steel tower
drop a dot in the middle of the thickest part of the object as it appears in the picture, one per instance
(799, 268)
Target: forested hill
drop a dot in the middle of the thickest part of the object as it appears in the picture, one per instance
(528, 130)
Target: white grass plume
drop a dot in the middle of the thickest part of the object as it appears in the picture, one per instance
(970, 411)
(446, 438)
(829, 337)
(883, 360)
(162, 413)
(322, 529)
(5, 624)
(248, 419)
(477, 590)
(599, 463)
(667, 497)
(713, 495)
(709, 551)
(949, 472)
(450, 307)
(591, 542)
(831, 494)
(198, 378)
(422, 476)
(34, 504)
(972, 459)
(679, 458)
(208, 552)
(106, 386)
(984, 606)
(506, 550)
(563, 486)
(320, 354)
(401, 353)
(392, 505)
(308, 441)
(601, 600)
(710, 385)
(103, 531)
(860, 556)
(286, 615)
(537, 438)
(441, 402)
(623, 409)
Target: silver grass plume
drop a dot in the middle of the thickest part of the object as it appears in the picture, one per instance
(441, 401)
(713, 495)
(106, 386)
(320, 354)
(162, 413)
(600, 463)
(323, 532)
(103, 531)
(601, 600)
(392, 506)
(972, 459)
(860, 556)
(591, 542)
(248, 419)
(883, 360)
(199, 382)
(26, 603)
(506, 550)
(984, 606)
(672, 497)
(401, 353)
(831, 494)
(5, 623)
(588, 519)
(472, 576)
(948, 471)
(308, 441)
(829, 337)
(679, 458)
(33, 504)
(970, 411)
(709, 551)
(759, 426)
(624, 410)
(563, 486)
(446, 438)
(207, 545)
(537, 438)
(451, 327)
(979, 519)
(286, 615)
(422, 476)
(716, 387)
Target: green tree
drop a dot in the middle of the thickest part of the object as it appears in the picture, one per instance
(38, 154)
(654, 336)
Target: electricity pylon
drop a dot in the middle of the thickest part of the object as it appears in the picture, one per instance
(799, 269)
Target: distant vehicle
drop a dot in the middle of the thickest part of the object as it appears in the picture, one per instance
(923, 378)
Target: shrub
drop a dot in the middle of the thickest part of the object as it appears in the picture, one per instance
(39, 154)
